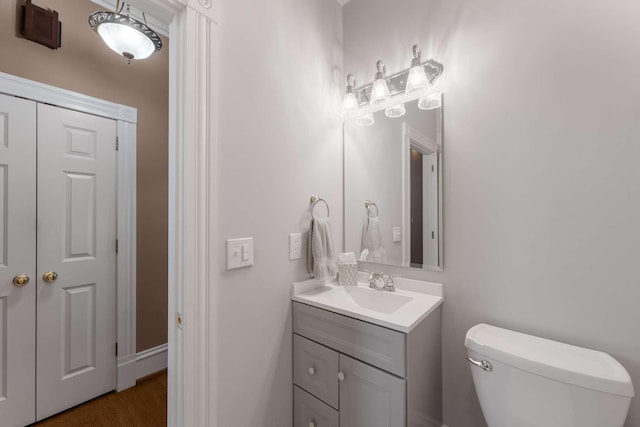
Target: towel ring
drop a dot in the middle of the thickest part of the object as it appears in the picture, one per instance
(314, 201)
(368, 204)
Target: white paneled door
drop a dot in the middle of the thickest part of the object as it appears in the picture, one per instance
(17, 261)
(76, 258)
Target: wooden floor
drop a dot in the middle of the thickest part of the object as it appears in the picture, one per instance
(142, 405)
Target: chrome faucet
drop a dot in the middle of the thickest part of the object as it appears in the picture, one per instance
(380, 282)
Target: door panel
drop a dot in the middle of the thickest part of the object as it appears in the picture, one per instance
(370, 397)
(17, 256)
(76, 358)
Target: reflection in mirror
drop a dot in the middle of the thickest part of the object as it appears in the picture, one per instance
(393, 187)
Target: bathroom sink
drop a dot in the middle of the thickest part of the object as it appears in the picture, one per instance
(382, 302)
(401, 310)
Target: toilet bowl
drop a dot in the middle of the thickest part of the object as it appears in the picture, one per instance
(527, 381)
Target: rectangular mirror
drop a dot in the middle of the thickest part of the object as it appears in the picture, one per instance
(393, 187)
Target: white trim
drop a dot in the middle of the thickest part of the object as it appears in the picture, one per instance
(17, 86)
(413, 137)
(151, 360)
(192, 374)
(126, 372)
(126, 118)
(127, 255)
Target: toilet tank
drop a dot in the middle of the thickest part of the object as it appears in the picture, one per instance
(536, 382)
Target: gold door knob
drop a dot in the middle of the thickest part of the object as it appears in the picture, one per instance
(50, 276)
(20, 280)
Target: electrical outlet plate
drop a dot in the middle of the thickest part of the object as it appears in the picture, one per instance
(397, 233)
(239, 253)
(295, 246)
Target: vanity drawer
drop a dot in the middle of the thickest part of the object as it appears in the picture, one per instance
(315, 369)
(378, 346)
(311, 412)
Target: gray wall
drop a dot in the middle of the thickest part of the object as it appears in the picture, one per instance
(280, 141)
(541, 185)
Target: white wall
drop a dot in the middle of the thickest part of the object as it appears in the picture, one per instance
(541, 182)
(280, 141)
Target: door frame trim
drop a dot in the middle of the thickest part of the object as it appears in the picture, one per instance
(126, 125)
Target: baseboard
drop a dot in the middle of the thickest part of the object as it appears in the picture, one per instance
(126, 372)
(151, 360)
(135, 366)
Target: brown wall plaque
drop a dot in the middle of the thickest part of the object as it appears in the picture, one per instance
(41, 25)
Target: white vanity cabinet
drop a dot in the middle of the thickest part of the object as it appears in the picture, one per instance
(352, 373)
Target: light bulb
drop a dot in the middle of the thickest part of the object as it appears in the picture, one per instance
(365, 120)
(417, 82)
(397, 110)
(379, 91)
(429, 102)
(350, 106)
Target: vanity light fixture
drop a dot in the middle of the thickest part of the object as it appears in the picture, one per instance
(397, 110)
(380, 90)
(365, 120)
(350, 107)
(417, 82)
(392, 93)
(125, 35)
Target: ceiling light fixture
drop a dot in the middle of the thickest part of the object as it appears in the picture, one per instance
(125, 35)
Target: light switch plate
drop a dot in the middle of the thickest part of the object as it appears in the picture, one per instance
(397, 233)
(239, 253)
(295, 246)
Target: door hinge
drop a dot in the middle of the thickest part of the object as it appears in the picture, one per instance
(117, 143)
(117, 244)
(432, 169)
(433, 234)
(116, 349)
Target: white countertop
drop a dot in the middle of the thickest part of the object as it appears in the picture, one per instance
(401, 310)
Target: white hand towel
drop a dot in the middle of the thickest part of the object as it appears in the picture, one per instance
(372, 241)
(323, 262)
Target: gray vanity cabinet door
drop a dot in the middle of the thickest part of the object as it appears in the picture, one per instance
(315, 369)
(370, 397)
(311, 412)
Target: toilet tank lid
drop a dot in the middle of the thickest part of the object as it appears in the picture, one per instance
(567, 363)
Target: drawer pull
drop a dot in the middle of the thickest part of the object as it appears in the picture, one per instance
(312, 370)
(312, 423)
(340, 376)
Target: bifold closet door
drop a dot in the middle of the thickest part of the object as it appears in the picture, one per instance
(17, 261)
(76, 322)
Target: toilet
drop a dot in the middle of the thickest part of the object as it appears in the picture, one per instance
(527, 381)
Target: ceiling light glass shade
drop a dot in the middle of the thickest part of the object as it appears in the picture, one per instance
(429, 102)
(417, 82)
(397, 110)
(365, 120)
(350, 106)
(124, 35)
(379, 92)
